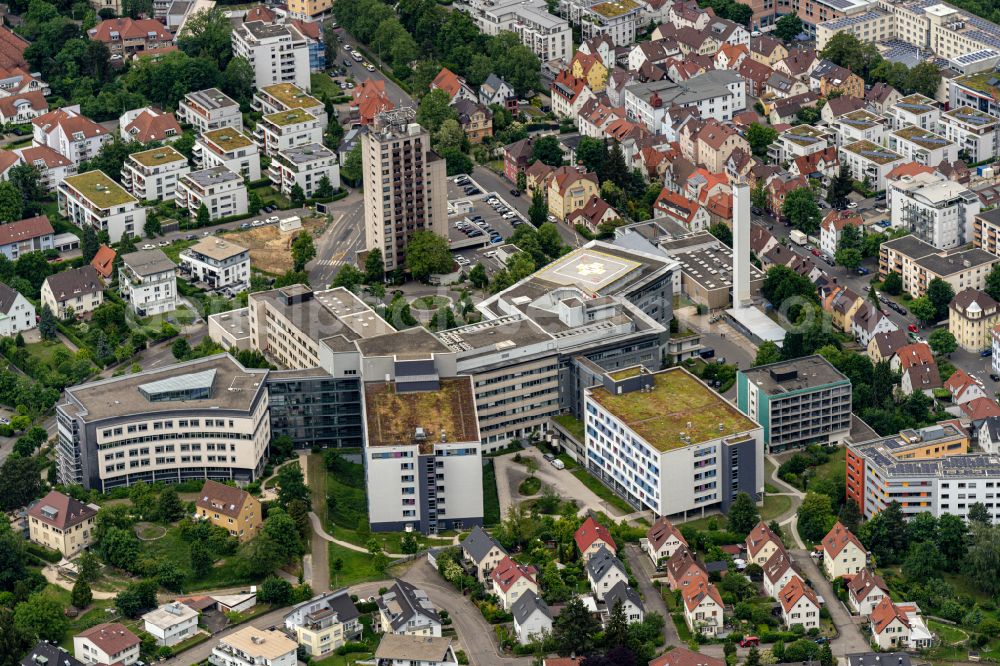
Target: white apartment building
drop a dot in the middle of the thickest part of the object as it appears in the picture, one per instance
(799, 141)
(933, 208)
(278, 53)
(251, 646)
(74, 136)
(285, 97)
(922, 146)
(976, 91)
(16, 312)
(147, 280)
(228, 147)
(201, 419)
(92, 199)
(396, 150)
(916, 110)
(640, 441)
(618, 19)
(220, 190)
(973, 131)
(304, 166)
(859, 125)
(716, 94)
(210, 110)
(152, 174)
(287, 129)
(52, 166)
(217, 262)
(869, 162)
(549, 37)
(171, 623)
(425, 461)
(919, 262)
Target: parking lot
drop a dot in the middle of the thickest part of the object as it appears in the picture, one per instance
(477, 220)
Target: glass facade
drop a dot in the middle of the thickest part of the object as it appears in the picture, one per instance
(316, 411)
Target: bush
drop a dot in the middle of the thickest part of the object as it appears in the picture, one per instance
(44, 553)
(352, 648)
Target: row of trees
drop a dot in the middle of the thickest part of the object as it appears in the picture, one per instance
(863, 59)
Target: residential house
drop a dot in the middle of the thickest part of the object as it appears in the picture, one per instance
(827, 78)
(569, 189)
(532, 618)
(210, 109)
(64, 524)
(799, 604)
(233, 509)
(171, 623)
(679, 208)
(682, 568)
(483, 552)
(761, 544)
(106, 644)
(476, 120)
(907, 356)
(17, 313)
(972, 314)
(92, 199)
(840, 106)
(228, 147)
(104, 261)
(798, 64)
(604, 570)
(324, 623)
(662, 541)
(821, 165)
(220, 190)
(45, 653)
(277, 53)
(832, 226)
(251, 646)
(865, 591)
(569, 94)
(454, 85)
(511, 580)
(125, 37)
(785, 111)
(881, 97)
(495, 90)
(591, 537)
(963, 388)
(151, 175)
(756, 74)
(72, 135)
(883, 346)
(716, 142)
(778, 572)
(590, 69)
(221, 264)
(703, 608)
(147, 281)
(23, 107)
(369, 100)
(33, 234)
(147, 124)
(593, 214)
(869, 321)
(406, 609)
(682, 656)
(730, 56)
(517, 158)
(843, 554)
(631, 603)
(53, 167)
(924, 378)
(402, 650)
(73, 293)
(890, 626)
(305, 166)
(767, 50)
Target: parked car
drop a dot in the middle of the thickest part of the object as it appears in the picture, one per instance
(749, 641)
(995, 377)
(148, 246)
(515, 193)
(863, 271)
(986, 352)
(912, 328)
(558, 464)
(548, 457)
(163, 243)
(853, 204)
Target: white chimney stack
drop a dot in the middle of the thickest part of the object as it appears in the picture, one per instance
(741, 244)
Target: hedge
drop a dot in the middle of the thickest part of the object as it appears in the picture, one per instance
(44, 553)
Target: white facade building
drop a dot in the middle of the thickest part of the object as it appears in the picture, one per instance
(74, 136)
(869, 162)
(716, 94)
(922, 146)
(287, 129)
(935, 209)
(92, 199)
(285, 97)
(661, 461)
(210, 110)
(171, 623)
(228, 147)
(147, 281)
(152, 174)
(549, 37)
(618, 19)
(304, 166)
(220, 190)
(16, 312)
(255, 647)
(973, 131)
(278, 53)
(220, 263)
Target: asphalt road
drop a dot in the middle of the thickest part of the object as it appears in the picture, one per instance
(397, 95)
(340, 242)
(643, 570)
(850, 639)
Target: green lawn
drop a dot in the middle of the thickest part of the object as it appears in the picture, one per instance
(321, 83)
(175, 549)
(430, 302)
(357, 567)
(682, 629)
(835, 465)
(701, 524)
(44, 351)
(92, 616)
(602, 490)
(344, 660)
(947, 633)
(174, 249)
(268, 195)
(774, 506)
(530, 486)
(573, 425)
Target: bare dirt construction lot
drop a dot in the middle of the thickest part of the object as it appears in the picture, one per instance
(270, 249)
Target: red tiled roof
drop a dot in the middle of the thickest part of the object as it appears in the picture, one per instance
(981, 408)
(32, 227)
(227, 500)
(794, 590)
(66, 510)
(662, 530)
(44, 154)
(70, 122)
(8, 105)
(8, 159)
(884, 613)
(370, 99)
(260, 13)
(591, 531)
(681, 656)
(837, 539)
(909, 169)
(447, 81)
(150, 126)
(129, 28)
(309, 30)
(594, 210)
(861, 584)
(838, 219)
(956, 384)
(696, 593)
(12, 49)
(111, 638)
(103, 261)
(508, 572)
(917, 353)
(759, 536)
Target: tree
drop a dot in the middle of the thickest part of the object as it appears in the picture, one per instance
(848, 51)
(743, 514)
(849, 258)
(88, 567)
(885, 535)
(169, 508)
(801, 210)
(435, 107)
(850, 515)
(616, 630)
(81, 595)
(180, 349)
(539, 209)
(89, 243)
(20, 482)
(892, 284)
(924, 78)
(12, 559)
(940, 294)
(767, 353)
(201, 559)
(324, 188)
(923, 562)
(942, 341)
(477, 276)
(351, 170)
(40, 618)
(787, 290)
(788, 27)
(120, 548)
(923, 310)
(303, 250)
(983, 557)
(48, 325)
(760, 137)
(348, 277)
(281, 528)
(374, 266)
(203, 218)
(978, 513)
(758, 197)
(136, 599)
(291, 484)
(815, 516)
(952, 536)
(26, 179)
(275, 591)
(574, 629)
(722, 231)
(207, 34)
(11, 204)
(297, 197)
(993, 282)
(840, 186)
(254, 203)
(547, 150)
(426, 254)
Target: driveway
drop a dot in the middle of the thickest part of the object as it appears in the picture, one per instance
(562, 482)
(474, 633)
(851, 639)
(643, 570)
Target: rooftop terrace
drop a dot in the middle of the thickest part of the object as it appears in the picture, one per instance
(100, 190)
(615, 8)
(158, 156)
(679, 404)
(228, 139)
(873, 152)
(289, 117)
(291, 96)
(393, 418)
